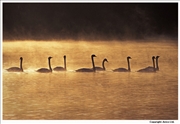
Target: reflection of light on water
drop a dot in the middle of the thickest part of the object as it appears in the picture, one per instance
(30, 70)
(71, 71)
(83, 95)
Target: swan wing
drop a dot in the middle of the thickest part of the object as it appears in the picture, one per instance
(84, 70)
(14, 69)
(147, 69)
(120, 70)
(99, 69)
(43, 70)
(59, 68)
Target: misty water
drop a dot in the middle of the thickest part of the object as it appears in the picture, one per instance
(101, 95)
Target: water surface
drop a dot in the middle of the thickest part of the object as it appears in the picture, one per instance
(102, 95)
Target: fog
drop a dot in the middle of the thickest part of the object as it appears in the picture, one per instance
(89, 21)
(103, 95)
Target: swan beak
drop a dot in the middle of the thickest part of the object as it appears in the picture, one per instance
(93, 55)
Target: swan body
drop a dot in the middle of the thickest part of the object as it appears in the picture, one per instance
(85, 70)
(59, 68)
(45, 70)
(149, 68)
(121, 70)
(88, 69)
(16, 69)
(124, 69)
(103, 67)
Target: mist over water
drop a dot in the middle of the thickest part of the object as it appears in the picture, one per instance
(100, 95)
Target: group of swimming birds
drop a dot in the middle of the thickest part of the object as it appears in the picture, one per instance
(93, 69)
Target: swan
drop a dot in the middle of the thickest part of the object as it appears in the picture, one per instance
(88, 69)
(124, 69)
(157, 67)
(16, 69)
(103, 67)
(45, 70)
(58, 68)
(149, 68)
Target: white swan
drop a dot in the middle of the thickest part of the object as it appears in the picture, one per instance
(103, 67)
(59, 68)
(45, 70)
(88, 69)
(157, 67)
(149, 68)
(124, 69)
(16, 69)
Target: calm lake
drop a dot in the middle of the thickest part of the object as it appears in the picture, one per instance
(105, 95)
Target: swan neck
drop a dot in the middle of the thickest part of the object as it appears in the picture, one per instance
(103, 65)
(49, 62)
(129, 69)
(93, 64)
(65, 63)
(21, 65)
(157, 67)
(153, 64)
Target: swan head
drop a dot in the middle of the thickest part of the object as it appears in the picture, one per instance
(49, 57)
(93, 55)
(157, 57)
(129, 57)
(153, 57)
(105, 60)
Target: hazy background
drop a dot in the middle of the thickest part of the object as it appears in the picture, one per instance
(89, 21)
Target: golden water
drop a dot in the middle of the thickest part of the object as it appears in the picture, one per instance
(102, 95)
